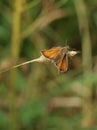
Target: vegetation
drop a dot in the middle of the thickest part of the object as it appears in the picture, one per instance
(35, 96)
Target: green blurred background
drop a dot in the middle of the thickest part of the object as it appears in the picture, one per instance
(35, 96)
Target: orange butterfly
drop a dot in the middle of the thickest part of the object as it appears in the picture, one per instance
(59, 56)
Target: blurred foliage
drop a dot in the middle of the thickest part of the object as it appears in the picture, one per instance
(35, 96)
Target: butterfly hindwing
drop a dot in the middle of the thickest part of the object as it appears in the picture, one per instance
(62, 64)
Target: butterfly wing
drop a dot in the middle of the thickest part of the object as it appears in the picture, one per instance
(51, 53)
(62, 64)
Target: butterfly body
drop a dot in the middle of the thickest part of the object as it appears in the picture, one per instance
(59, 56)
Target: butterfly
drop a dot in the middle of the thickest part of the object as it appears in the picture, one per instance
(59, 56)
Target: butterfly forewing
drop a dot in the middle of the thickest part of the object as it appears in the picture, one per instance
(51, 53)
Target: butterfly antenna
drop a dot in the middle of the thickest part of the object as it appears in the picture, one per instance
(67, 44)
